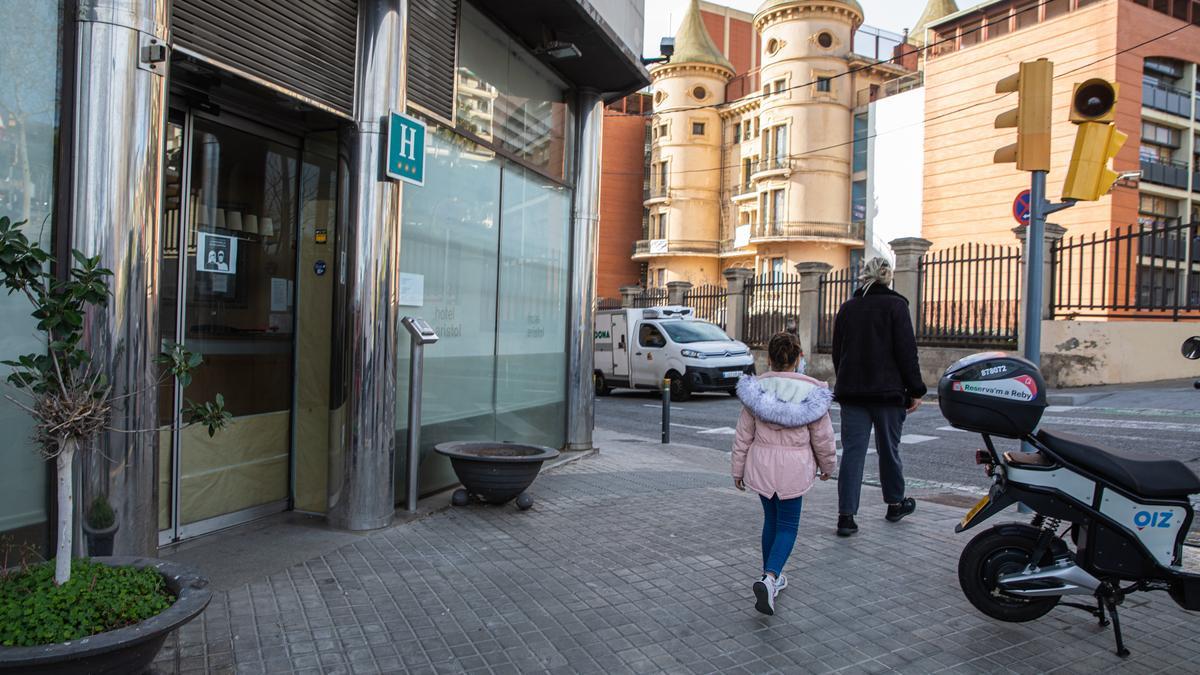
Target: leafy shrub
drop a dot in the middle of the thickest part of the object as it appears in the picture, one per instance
(98, 598)
(100, 516)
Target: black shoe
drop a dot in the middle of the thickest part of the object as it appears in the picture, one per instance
(846, 526)
(898, 511)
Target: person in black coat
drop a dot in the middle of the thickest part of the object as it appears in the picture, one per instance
(878, 385)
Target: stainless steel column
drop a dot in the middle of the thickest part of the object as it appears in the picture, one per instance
(363, 446)
(581, 393)
(116, 188)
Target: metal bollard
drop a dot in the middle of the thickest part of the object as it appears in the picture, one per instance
(666, 409)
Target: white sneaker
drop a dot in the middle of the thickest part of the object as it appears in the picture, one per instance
(764, 595)
(781, 583)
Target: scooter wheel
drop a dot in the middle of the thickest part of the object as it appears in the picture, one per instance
(995, 552)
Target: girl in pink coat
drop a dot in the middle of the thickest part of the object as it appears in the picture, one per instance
(784, 442)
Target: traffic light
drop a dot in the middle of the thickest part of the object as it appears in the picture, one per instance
(1093, 104)
(1034, 84)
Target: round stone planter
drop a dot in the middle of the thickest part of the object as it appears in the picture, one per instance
(496, 472)
(124, 650)
(100, 542)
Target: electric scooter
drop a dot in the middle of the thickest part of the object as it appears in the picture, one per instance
(1125, 515)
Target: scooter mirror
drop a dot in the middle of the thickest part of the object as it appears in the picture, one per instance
(1191, 348)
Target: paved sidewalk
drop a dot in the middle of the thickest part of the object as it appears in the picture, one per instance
(640, 560)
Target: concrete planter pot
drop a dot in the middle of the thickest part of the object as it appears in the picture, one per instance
(100, 542)
(495, 472)
(124, 650)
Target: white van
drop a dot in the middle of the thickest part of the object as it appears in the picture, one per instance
(639, 348)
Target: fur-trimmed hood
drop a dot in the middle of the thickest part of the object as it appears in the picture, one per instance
(788, 400)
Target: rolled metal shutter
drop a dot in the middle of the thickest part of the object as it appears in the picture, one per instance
(433, 56)
(304, 46)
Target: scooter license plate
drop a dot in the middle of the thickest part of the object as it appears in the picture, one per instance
(979, 506)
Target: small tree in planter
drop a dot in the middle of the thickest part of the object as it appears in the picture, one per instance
(69, 397)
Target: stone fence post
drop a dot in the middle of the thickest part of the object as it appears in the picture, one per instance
(736, 280)
(1054, 234)
(907, 281)
(629, 295)
(677, 292)
(808, 323)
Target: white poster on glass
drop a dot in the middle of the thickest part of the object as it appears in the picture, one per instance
(216, 254)
(412, 290)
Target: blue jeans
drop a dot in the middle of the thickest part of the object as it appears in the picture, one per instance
(781, 520)
(857, 422)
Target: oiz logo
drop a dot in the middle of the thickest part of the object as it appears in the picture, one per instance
(1144, 519)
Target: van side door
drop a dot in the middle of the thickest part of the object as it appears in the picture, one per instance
(620, 346)
(649, 355)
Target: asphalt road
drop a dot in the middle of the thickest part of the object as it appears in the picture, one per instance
(935, 455)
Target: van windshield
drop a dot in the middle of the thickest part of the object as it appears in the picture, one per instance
(685, 332)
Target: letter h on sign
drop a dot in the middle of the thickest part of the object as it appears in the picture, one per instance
(406, 149)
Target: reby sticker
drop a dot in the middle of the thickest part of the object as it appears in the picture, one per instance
(1020, 388)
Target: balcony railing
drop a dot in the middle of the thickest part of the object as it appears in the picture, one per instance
(652, 247)
(1167, 99)
(807, 230)
(658, 192)
(772, 164)
(898, 85)
(1170, 173)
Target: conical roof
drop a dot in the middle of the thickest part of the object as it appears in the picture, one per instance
(693, 44)
(934, 10)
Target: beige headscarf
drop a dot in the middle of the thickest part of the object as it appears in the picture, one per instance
(876, 270)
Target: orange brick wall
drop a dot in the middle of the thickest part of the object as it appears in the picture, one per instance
(967, 197)
(622, 165)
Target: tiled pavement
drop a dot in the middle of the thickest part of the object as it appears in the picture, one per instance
(640, 559)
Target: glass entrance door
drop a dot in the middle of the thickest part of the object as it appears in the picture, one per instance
(227, 293)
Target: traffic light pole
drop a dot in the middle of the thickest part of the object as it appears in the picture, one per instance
(1035, 243)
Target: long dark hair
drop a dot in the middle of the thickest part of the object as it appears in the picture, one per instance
(783, 350)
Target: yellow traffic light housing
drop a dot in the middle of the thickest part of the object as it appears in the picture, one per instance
(1093, 107)
(1034, 85)
(1094, 101)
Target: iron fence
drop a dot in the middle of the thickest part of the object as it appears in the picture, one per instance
(772, 304)
(970, 296)
(1145, 271)
(834, 289)
(651, 297)
(608, 303)
(708, 302)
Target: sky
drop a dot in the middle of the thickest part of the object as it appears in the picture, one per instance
(663, 16)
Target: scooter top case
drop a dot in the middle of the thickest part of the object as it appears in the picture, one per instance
(993, 393)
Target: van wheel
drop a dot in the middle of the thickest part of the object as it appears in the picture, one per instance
(602, 388)
(680, 390)
(994, 552)
(732, 392)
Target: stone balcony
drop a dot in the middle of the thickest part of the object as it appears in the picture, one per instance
(771, 168)
(655, 248)
(806, 231)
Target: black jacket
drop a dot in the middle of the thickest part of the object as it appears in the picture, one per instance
(875, 350)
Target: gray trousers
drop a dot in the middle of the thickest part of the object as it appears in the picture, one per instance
(857, 422)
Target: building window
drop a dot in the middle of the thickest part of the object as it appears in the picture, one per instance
(1159, 142)
(861, 131)
(824, 85)
(746, 130)
(825, 39)
(772, 47)
(777, 268)
(747, 169)
(737, 132)
(1027, 14)
(972, 33)
(997, 25)
(659, 97)
(662, 131)
(781, 143)
(699, 93)
(662, 175)
(662, 277)
(757, 127)
(1056, 8)
(1155, 211)
(778, 85)
(778, 209)
(858, 201)
(697, 128)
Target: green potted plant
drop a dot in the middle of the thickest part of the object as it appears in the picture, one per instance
(125, 607)
(100, 527)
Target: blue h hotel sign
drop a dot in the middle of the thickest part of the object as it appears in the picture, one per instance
(406, 149)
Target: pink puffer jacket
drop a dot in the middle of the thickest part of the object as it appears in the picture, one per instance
(784, 434)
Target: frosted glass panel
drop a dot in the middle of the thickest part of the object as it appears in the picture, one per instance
(29, 86)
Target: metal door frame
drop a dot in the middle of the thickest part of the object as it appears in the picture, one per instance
(177, 532)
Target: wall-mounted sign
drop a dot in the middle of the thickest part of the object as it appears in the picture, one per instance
(216, 253)
(321, 236)
(406, 149)
(319, 268)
